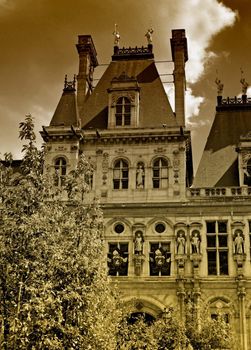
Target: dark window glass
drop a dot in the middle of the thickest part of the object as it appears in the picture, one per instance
(211, 257)
(223, 263)
(211, 241)
(211, 227)
(222, 240)
(119, 228)
(222, 226)
(118, 259)
(160, 228)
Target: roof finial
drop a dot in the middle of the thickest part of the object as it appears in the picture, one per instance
(116, 35)
(69, 85)
(244, 83)
(149, 36)
(219, 84)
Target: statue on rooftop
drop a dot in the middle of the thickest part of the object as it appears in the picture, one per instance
(219, 86)
(245, 85)
(116, 36)
(149, 36)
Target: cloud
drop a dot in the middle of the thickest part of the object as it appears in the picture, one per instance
(203, 19)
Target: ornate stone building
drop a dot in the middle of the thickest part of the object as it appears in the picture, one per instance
(166, 235)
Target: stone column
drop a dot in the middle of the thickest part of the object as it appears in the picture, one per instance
(242, 310)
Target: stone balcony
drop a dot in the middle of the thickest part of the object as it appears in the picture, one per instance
(219, 192)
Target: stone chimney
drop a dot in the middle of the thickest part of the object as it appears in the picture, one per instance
(179, 57)
(87, 62)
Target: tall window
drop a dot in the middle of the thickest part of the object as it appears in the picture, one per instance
(120, 175)
(60, 171)
(247, 174)
(160, 259)
(217, 248)
(160, 173)
(118, 259)
(123, 111)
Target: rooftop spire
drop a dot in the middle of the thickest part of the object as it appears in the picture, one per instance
(116, 36)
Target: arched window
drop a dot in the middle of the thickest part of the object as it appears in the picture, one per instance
(60, 171)
(120, 175)
(123, 111)
(160, 173)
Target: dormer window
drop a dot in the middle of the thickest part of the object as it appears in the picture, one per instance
(123, 105)
(123, 112)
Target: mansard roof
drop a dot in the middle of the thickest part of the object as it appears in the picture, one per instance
(66, 112)
(154, 109)
(219, 162)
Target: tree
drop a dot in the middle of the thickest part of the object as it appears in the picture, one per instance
(167, 332)
(54, 289)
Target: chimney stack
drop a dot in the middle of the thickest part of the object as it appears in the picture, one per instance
(179, 57)
(87, 62)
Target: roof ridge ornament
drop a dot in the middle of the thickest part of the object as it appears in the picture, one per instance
(69, 85)
(149, 36)
(116, 36)
(219, 84)
(244, 83)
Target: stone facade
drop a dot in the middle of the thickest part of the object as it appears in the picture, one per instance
(165, 239)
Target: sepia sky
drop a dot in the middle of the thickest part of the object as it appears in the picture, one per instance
(37, 48)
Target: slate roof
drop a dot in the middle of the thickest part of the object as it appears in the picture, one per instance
(66, 112)
(219, 165)
(154, 109)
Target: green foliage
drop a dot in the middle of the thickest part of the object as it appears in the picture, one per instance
(204, 332)
(54, 289)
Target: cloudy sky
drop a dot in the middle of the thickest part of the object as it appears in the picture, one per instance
(37, 41)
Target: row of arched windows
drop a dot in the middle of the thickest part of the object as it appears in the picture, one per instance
(121, 173)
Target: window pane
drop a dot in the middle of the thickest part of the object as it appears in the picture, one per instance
(211, 241)
(164, 172)
(163, 162)
(222, 226)
(118, 119)
(125, 174)
(124, 184)
(211, 258)
(155, 183)
(127, 120)
(155, 172)
(116, 184)
(211, 227)
(116, 173)
(222, 240)
(223, 263)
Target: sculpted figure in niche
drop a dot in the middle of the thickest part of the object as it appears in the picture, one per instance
(140, 176)
(239, 243)
(138, 243)
(195, 242)
(181, 243)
